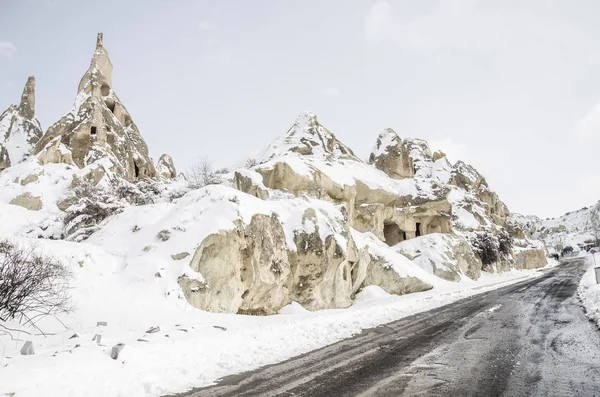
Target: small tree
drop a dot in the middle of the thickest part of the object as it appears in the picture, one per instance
(505, 244)
(31, 286)
(486, 246)
(203, 174)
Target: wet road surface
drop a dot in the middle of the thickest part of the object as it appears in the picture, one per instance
(527, 339)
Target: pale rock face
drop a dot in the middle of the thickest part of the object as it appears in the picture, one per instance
(438, 154)
(250, 182)
(468, 178)
(28, 201)
(245, 269)
(308, 137)
(321, 270)
(393, 224)
(385, 277)
(419, 151)
(19, 129)
(530, 259)
(446, 256)
(98, 127)
(165, 168)
(391, 156)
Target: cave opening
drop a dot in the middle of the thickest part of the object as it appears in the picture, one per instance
(418, 230)
(393, 234)
(94, 130)
(136, 170)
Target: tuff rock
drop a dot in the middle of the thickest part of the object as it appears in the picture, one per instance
(98, 127)
(19, 129)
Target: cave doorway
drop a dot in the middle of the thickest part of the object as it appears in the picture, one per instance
(393, 234)
(418, 230)
(136, 170)
(94, 130)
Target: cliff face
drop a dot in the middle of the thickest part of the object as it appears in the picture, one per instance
(19, 129)
(98, 127)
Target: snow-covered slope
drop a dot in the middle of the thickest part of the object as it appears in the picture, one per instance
(577, 229)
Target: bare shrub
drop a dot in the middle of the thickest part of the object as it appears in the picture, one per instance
(250, 162)
(31, 286)
(203, 174)
(91, 205)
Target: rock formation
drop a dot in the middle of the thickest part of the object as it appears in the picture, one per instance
(391, 156)
(165, 167)
(19, 129)
(98, 128)
(308, 137)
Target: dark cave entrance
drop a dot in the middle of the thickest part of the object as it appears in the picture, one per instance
(418, 231)
(94, 130)
(393, 234)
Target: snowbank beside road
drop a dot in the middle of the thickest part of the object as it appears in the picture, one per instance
(194, 348)
(589, 292)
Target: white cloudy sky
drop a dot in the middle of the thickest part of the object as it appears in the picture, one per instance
(512, 87)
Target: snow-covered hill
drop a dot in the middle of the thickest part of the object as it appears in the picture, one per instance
(577, 229)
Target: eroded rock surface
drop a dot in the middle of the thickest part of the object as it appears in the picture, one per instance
(98, 127)
(19, 129)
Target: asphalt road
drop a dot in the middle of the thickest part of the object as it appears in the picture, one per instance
(528, 339)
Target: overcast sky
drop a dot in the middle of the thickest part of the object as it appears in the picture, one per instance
(511, 87)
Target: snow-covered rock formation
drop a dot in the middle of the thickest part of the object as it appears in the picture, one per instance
(309, 222)
(19, 129)
(98, 127)
(577, 229)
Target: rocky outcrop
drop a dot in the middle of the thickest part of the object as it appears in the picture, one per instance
(98, 127)
(446, 256)
(165, 168)
(530, 258)
(419, 152)
(467, 178)
(256, 268)
(246, 270)
(28, 201)
(19, 129)
(391, 156)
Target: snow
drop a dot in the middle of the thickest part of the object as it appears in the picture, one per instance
(192, 348)
(589, 291)
(15, 132)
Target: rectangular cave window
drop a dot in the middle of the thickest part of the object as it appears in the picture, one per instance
(93, 130)
(418, 231)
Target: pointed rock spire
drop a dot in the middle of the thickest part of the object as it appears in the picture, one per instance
(19, 129)
(98, 127)
(27, 105)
